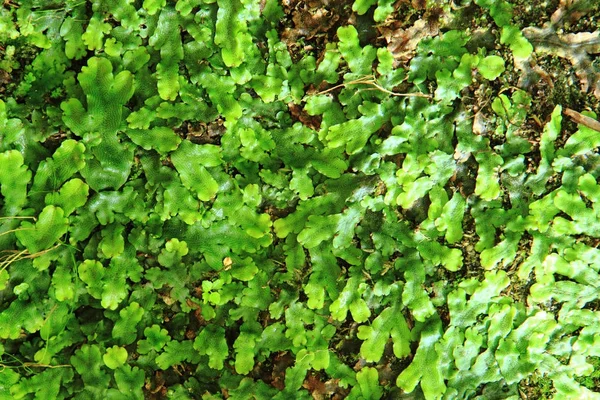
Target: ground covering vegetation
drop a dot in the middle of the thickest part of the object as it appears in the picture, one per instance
(326, 199)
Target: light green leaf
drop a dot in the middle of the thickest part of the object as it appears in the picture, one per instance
(50, 226)
(362, 6)
(360, 60)
(390, 322)
(153, 6)
(464, 313)
(350, 299)
(125, 329)
(62, 280)
(67, 160)
(301, 183)
(231, 32)
(161, 139)
(88, 363)
(244, 270)
(193, 174)
(72, 195)
(113, 242)
(176, 352)
(414, 295)
(115, 357)
(105, 96)
(451, 218)
(585, 140)
(318, 229)
(424, 367)
(95, 32)
(487, 182)
(130, 380)
(155, 340)
(14, 178)
(491, 67)
(211, 342)
(166, 38)
(368, 381)
(245, 346)
(512, 36)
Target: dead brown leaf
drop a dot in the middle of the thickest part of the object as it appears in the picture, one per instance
(402, 43)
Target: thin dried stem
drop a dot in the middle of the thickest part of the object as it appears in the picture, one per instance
(371, 80)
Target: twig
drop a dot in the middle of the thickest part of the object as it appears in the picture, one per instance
(582, 119)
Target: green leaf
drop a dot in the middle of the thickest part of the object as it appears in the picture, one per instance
(318, 229)
(350, 299)
(161, 139)
(267, 87)
(254, 224)
(327, 69)
(91, 272)
(552, 129)
(513, 36)
(244, 270)
(72, 195)
(153, 6)
(130, 380)
(465, 313)
(194, 175)
(44, 385)
(245, 346)
(368, 381)
(105, 96)
(504, 252)
(360, 60)
(50, 226)
(487, 182)
(173, 252)
(491, 67)
(125, 330)
(12, 128)
(316, 295)
(156, 338)
(451, 218)
(294, 376)
(14, 178)
(425, 364)
(414, 296)
(95, 32)
(62, 280)
(301, 183)
(355, 133)
(211, 342)
(390, 322)
(383, 10)
(585, 140)
(109, 165)
(362, 6)
(231, 32)
(413, 191)
(113, 242)
(88, 363)
(176, 352)
(167, 39)
(115, 357)
(67, 160)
